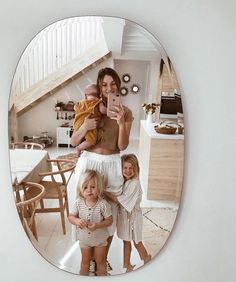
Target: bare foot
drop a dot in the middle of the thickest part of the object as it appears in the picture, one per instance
(147, 259)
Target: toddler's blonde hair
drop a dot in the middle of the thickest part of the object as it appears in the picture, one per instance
(86, 177)
(133, 160)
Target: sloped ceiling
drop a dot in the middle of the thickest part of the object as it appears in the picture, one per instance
(121, 37)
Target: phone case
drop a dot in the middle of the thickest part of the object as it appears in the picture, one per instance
(112, 100)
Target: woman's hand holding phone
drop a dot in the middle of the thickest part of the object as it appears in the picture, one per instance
(113, 101)
(114, 108)
(118, 114)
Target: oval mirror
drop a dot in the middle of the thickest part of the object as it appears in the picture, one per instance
(54, 71)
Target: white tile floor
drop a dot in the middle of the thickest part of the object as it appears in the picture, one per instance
(60, 250)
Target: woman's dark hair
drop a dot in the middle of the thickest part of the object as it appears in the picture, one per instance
(111, 72)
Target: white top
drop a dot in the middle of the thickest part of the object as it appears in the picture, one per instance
(130, 219)
(131, 195)
(149, 128)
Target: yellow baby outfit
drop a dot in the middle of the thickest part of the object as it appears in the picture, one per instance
(83, 109)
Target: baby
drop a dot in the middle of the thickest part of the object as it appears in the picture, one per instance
(93, 107)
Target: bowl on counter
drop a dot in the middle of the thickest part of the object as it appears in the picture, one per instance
(165, 129)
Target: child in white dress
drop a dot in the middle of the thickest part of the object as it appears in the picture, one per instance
(130, 219)
(91, 215)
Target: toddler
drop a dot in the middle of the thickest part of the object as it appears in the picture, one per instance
(91, 215)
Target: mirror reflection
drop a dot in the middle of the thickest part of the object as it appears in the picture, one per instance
(96, 172)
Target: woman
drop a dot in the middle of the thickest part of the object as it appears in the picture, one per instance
(113, 137)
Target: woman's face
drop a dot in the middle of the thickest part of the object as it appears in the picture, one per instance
(108, 86)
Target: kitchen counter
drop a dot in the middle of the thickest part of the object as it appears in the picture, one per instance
(161, 163)
(149, 128)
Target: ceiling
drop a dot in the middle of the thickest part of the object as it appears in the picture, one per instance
(136, 39)
(129, 38)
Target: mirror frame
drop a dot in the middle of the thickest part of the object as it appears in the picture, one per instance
(134, 89)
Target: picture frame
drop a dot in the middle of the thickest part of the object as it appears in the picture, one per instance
(126, 78)
(135, 88)
(124, 91)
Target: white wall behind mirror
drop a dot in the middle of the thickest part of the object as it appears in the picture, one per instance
(202, 244)
(57, 65)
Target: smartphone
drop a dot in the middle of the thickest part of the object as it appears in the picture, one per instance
(112, 100)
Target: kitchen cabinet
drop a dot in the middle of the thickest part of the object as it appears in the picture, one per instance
(161, 163)
(63, 136)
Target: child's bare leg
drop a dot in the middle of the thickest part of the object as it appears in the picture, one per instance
(100, 258)
(109, 240)
(86, 257)
(127, 253)
(142, 252)
(83, 146)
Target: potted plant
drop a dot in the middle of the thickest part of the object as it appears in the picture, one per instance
(150, 109)
(59, 105)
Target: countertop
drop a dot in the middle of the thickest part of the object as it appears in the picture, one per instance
(149, 128)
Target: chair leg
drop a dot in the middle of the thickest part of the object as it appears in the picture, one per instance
(34, 230)
(67, 205)
(41, 204)
(32, 226)
(62, 216)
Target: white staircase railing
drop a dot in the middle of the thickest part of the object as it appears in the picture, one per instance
(54, 47)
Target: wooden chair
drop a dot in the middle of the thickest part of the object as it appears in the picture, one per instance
(26, 145)
(27, 206)
(55, 183)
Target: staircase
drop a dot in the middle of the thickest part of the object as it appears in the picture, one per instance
(59, 79)
(48, 64)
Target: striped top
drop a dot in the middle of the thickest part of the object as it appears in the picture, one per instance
(95, 214)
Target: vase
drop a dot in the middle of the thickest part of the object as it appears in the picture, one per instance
(149, 117)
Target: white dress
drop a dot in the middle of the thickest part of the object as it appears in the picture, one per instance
(130, 219)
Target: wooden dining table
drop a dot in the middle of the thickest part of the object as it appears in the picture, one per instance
(27, 163)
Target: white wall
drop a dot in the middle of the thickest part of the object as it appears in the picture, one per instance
(138, 72)
(199, 37)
